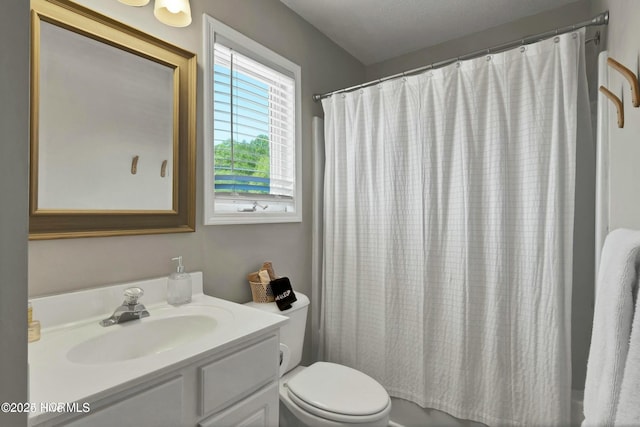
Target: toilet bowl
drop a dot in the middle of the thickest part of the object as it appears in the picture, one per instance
(322, 394)
(331, 397)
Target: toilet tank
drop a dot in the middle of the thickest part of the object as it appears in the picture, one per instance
(291, 333)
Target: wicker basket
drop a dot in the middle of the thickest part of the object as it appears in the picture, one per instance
(261, 293)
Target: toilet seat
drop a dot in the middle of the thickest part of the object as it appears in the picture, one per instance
(338, 393)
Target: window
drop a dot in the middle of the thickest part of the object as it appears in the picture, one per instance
(252, 131)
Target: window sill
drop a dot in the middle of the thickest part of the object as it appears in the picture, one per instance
(252, 218)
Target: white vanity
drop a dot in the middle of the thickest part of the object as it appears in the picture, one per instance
(207, 363)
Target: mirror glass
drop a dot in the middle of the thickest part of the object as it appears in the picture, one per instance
(113, 128)
(100, 107)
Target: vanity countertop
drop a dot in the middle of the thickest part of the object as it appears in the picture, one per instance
(58, 374)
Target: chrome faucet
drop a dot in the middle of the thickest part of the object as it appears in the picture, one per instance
(129, 310)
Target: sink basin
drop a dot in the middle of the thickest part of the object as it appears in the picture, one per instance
(140, 338)
(77, 360)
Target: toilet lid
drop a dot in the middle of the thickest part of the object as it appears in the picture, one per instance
(339, 389)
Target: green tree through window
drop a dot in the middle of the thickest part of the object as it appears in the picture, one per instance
(250, 159)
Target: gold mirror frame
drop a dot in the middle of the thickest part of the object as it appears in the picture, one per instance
(63, 223)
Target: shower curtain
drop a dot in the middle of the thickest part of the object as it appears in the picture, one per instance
(448, 225)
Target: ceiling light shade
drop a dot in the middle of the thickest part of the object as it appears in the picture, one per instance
(176, 13)
(135, 2)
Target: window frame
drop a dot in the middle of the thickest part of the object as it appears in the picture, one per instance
(213, 29)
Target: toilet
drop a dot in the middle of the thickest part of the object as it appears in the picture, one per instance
(323, 394)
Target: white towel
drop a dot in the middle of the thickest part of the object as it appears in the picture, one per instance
(612, 321)
(628, 412)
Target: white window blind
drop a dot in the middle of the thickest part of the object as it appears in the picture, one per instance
(252, 125)
(254, 130)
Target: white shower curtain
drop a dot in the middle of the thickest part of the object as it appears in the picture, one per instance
(448, 218)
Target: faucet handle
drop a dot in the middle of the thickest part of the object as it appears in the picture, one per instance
(131, 295)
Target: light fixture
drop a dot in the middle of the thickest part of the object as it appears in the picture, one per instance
(176, 13)
(135, 2)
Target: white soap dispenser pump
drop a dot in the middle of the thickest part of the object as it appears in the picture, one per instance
(179, 285)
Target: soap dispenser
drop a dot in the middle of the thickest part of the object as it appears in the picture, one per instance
(179, 285)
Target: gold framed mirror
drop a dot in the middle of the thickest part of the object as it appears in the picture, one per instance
(113, 127)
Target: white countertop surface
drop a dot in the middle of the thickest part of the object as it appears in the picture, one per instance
(54, 378)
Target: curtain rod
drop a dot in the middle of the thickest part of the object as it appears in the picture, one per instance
(601, 19)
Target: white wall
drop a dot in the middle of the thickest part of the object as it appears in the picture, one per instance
(623, 43)
(224, 253)
(14, 143)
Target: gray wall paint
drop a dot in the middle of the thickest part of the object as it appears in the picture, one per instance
(582, 301)
(566, 15)
(225, 253)
(14, 143)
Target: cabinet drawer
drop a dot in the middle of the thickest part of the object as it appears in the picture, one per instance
(234, 377)
(160, 406)
(258, 410)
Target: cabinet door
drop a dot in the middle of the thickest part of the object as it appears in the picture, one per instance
(258, 410)
(160, 406)
(230, 379)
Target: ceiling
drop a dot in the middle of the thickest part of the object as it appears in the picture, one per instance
(377, 30)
